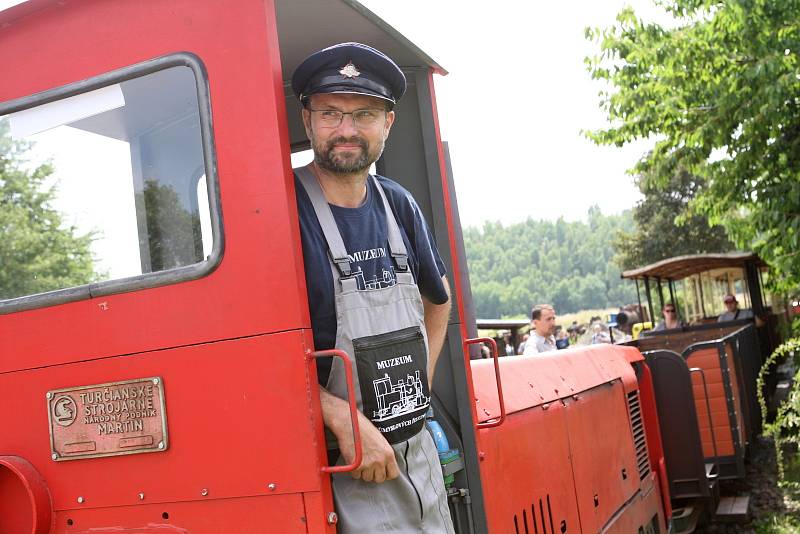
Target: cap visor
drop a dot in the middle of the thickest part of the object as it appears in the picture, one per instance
(364, 92)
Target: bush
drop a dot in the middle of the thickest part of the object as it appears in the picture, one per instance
(785, 429)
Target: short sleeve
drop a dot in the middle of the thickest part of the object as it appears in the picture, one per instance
(425, 258)
(431, 266)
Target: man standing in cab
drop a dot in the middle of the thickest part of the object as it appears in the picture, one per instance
(376, 289)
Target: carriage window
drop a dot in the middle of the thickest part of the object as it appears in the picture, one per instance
(105, 185)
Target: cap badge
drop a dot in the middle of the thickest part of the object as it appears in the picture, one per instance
(349, 71)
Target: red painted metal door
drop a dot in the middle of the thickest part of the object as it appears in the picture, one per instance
(244, 451)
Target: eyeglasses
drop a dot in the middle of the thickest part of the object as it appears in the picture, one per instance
(669, 311)
(362, 118)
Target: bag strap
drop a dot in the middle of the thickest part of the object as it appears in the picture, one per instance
(336, 248)
(396, 245)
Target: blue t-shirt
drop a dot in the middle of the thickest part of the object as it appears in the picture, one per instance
(365, 237)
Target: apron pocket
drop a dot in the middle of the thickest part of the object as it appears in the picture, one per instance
(392, 372)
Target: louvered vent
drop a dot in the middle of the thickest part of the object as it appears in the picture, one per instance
(639, 441)
(538, 519)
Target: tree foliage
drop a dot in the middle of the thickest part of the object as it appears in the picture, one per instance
(719, 93)
(657, 236)
(174, 237)
(38, 252)
(566, 264)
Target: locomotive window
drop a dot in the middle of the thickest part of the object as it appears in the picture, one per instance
(107, 187)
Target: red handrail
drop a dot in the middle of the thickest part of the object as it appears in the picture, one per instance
(493, 347)
(351, 400)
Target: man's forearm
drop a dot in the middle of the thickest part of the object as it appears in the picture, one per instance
(436, 318)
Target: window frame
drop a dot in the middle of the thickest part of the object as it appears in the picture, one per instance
(146, 280)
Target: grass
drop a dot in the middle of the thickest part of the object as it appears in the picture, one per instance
(778, 524)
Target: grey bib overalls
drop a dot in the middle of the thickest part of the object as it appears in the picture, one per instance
(382, 330)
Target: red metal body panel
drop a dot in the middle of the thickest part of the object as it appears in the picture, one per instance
(603, 455)
(528, 383)
(458, 283)
(217, 395)
(559, 404)
(275, 513)
(456, 274)
(525, 462)
(258, 286)
(241, 404)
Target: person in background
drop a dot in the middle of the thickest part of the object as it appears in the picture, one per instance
(670, 315)
(521, 348)
(543, 324)
(600, 333)
(732, 311)
(574, 332)
(508, 343)
(562, 338)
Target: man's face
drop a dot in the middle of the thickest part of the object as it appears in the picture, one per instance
(731, 305)
(348, 147)
(545, 325)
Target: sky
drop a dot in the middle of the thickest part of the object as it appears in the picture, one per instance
(515, 101)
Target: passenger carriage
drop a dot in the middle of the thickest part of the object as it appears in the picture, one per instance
(705, 373)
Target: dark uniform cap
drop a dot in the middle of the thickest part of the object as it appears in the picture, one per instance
(352, 68)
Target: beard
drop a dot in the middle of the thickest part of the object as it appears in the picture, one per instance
(347, 162)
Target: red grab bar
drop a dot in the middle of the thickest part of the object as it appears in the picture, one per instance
(351, 401)
(493, 347)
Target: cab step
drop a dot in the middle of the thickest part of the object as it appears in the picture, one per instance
(733, 509)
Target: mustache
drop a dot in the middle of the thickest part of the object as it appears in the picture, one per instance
(342, 140)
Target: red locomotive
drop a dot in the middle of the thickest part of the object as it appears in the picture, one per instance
(177, 391)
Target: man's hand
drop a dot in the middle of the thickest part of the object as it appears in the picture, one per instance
(378, 463)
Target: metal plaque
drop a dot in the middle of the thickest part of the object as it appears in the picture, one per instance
(107, 419)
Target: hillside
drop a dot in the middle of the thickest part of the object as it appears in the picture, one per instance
(566, 264)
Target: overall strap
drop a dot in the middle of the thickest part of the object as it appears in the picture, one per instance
(336, 248)
(396, 245)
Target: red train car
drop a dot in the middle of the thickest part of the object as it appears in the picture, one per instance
(174, 389)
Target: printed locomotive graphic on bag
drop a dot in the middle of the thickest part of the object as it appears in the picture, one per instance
(394, 384)
(400, 398)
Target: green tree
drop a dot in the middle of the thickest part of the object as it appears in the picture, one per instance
(656, 235)
(38, 252)
(719, 95)
(173, 236)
